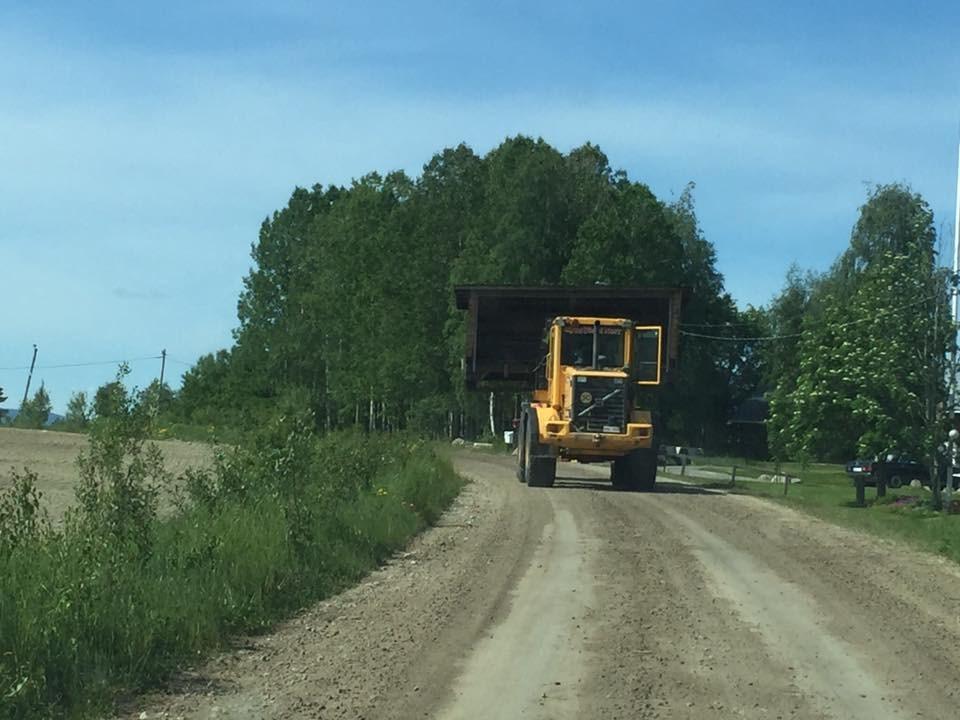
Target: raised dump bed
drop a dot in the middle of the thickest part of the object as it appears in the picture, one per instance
(506, 325)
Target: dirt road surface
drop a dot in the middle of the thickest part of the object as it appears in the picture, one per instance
(581, 602)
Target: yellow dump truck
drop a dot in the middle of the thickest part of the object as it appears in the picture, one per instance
(590, 362)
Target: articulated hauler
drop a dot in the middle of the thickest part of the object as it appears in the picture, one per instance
(591, 362)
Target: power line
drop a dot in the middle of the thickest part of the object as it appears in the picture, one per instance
(789, 336)
(740, 339)
(85, 364)
(718, 325)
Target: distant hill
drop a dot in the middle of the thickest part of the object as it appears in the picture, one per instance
(8, 414)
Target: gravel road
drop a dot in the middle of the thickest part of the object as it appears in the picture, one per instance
(581, 602)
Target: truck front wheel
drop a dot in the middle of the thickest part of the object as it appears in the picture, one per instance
(540, 464)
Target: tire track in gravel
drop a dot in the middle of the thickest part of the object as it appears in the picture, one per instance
(668, 647)
(826, 668)
(893, 607)
(389, 647)
(774, 614)
(532, 663)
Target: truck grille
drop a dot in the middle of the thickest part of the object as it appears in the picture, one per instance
(599, 404)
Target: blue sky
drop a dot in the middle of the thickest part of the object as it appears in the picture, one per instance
(141, 144)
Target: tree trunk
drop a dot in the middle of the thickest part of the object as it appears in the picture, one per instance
(493, 425)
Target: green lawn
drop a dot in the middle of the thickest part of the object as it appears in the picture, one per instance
(826, 492)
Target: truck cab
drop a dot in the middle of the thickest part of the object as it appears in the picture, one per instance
(595, 369)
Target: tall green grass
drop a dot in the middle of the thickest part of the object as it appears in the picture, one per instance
(118, 597)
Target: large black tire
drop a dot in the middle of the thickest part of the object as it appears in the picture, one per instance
(540, 464)
(636, 471)
(894, 482)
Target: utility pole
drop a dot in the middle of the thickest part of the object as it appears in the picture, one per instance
(955, 297)
(33, 362)
(163, 365)
(955, 307)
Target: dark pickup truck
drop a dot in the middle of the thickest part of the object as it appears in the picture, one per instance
(897, 470)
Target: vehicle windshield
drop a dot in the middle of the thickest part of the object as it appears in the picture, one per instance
(577, 347)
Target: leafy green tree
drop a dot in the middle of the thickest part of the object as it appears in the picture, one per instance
(155, 396)
(870, 363)
(35, 411)
(523, 232)
(786, 317)
(78, 413)
(206, 389)
(109, 399)
(629, 241)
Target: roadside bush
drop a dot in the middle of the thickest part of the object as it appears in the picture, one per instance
(34, 412)
(22, 516)
(118, 596)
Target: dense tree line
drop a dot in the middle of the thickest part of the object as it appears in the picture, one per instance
(348, 308)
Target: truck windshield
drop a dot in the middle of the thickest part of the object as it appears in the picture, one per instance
(577, 347)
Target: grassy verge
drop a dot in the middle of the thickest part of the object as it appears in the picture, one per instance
(118, 597)
(826, 492)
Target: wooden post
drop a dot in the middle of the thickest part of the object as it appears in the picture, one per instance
(733, 476)
(939, 463)
(493, 426)
(861, 499)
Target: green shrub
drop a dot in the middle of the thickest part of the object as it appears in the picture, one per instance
(119, 596)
